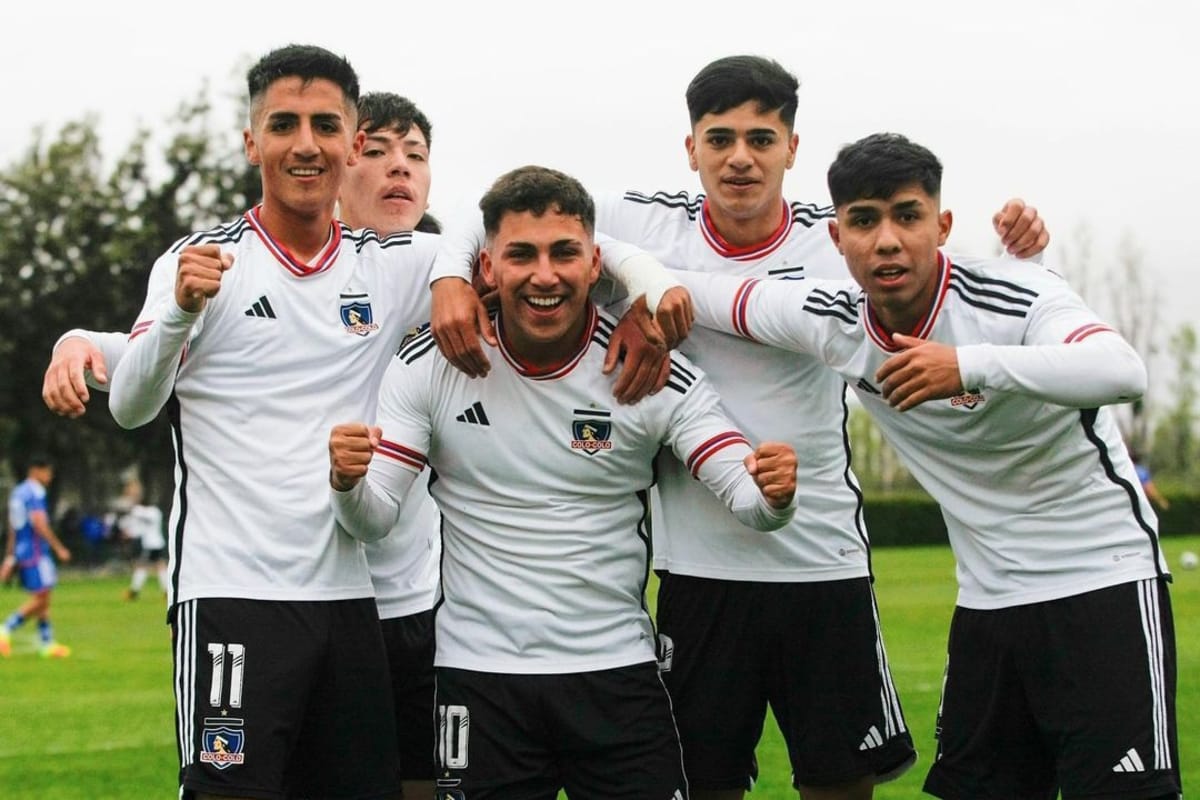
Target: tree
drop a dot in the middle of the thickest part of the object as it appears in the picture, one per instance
(1176, 448)
(76, 246)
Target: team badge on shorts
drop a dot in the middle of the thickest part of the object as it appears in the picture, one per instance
(221, 744)
(356, 314)
(591, 434)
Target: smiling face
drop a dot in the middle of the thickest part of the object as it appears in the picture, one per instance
(742, 155)
(891, 246)
(543, 267)
(302, 137)
(388, 188)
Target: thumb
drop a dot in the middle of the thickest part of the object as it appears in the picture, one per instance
(99, 368)
(611, 356)
(226, 260)
(486, 329)
(751, 462)
(906, 341)
(374, 436)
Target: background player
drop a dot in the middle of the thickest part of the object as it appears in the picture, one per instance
(545, 655)
(142, 525)
(31, 548)
(989, 379)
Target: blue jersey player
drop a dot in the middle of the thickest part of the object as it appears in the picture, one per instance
(32, 545)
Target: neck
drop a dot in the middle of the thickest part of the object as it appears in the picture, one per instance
(302, 234)
(746, 232)
(542, 357)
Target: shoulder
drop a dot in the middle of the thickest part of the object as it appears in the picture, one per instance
(418, 345)
(1007, 287)
(679, 206)
(230, 233)
(809, 215)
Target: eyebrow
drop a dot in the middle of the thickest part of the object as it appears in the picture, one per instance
(732, 131)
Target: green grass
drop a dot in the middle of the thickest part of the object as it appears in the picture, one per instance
(99, 724)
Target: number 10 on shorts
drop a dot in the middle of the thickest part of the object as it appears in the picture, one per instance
(454, 724)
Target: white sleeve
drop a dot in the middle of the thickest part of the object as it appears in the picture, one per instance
(144, 379)
(780, 313)
(462, 239)
(111, 345)
(638, 272)
(713, 450)
(370, 510)
(1067, 357)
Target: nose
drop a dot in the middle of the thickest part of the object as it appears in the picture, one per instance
(306, 140)
(887, 240)
(544, 276)
(397, 165)
(740, 155)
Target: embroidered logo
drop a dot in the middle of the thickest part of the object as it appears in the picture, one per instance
(968, 399)
(592, 433)
(222, 742)
(474, 415)
(357, 315)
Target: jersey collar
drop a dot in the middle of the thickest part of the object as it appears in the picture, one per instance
(324, 260)
(755, 251)
(924, 325)
(553, 371)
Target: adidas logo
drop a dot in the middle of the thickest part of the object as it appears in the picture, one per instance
(261, 308)
(1131, 762)
(871, 740)
(866, 387)
(474, 415)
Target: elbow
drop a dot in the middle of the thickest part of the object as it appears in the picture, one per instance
(1130, 379)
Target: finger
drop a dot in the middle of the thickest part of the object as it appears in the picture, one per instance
(487, 330)
(664, 374)
(612, 356)
(99, 372)
(751, 462)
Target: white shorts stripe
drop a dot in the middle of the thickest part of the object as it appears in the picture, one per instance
(185, 683)
(1152, 629)
(892, 714)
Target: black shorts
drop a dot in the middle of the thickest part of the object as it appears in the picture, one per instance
(813, 651)
(409, 643)
(1074, 695)
(283, 698)
(608, 733)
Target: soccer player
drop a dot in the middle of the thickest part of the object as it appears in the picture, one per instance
(143, 524)
(31, 547)
(546, 674)
(790, 622)
(990, 379)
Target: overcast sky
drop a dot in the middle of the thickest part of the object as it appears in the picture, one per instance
(1088, 110)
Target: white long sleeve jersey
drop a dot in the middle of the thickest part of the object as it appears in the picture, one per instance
(253, 385)
(542, 479)
(1039, 495)
(770, 394)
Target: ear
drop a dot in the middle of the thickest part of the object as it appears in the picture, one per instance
(793, 143)
(251, 148)
(356, 148)
(945, 222)
(836, 235)
(594, 272)
(690, 144)
(486, 272)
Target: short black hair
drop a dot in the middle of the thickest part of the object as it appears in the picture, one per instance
(305, 61)
(537, 189)
(378, 110)
(877, 166)
(728, 82)
(38, 459)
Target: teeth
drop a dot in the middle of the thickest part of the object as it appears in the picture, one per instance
(545, 302)
(305, 173)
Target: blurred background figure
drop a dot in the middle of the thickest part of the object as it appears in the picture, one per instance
(142, 526)
(1143, 472)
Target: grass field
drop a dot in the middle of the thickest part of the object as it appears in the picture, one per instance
(99, 724)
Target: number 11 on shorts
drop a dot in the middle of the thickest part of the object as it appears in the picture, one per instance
(237, 663)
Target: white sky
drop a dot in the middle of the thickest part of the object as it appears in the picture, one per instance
(1088, 110)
